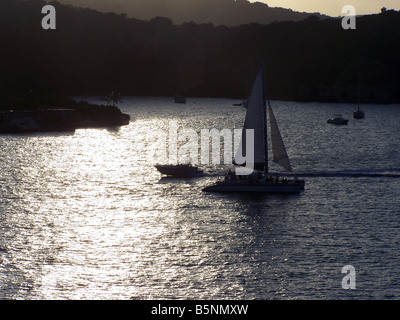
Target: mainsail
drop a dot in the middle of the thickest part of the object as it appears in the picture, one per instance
(280, 156)
(255, 119)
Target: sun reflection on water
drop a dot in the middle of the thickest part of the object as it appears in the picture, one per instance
(87, 216)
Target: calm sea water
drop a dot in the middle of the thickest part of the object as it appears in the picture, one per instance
(87, 216)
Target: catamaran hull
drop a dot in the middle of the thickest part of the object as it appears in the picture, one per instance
(254, 188)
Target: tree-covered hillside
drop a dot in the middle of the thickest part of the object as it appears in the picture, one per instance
(93, 53)
(217, 12)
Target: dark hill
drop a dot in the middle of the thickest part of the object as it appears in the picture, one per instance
(93, 53)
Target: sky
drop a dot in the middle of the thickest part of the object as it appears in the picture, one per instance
(334, 7)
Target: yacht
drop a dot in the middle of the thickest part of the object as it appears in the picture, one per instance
(358, 114)
(260, 180)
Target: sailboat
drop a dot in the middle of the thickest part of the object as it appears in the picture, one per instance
(261, 180)
(178, 98)
(358, 114)
(245, 102)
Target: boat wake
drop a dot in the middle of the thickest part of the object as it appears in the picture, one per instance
(383, 173)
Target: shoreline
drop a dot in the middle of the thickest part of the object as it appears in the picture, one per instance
(80, 116)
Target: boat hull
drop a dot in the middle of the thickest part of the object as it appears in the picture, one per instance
(178, 171)
(358, 114)
(333, 121)
(253, 188)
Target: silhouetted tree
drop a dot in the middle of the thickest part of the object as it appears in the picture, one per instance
(91, 52)
(114, 98)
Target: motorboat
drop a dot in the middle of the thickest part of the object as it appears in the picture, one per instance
(337, 119)
(179, 170)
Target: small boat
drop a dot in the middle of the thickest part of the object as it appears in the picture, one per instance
(179, 98)
(358, 114)
(244, 103)
(260, 180)
(179, 170)
(337, 119)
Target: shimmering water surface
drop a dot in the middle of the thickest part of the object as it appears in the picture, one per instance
(87, 216)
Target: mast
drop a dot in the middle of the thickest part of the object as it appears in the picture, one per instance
(358, 94)
(265, 121)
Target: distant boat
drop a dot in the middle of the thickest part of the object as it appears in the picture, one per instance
(260, 180)
(179, 170)
(244, 103)
(179, 98)
(337, 119)
(358, 114)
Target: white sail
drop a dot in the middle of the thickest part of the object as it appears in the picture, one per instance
(255, 120)
(280, 156)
